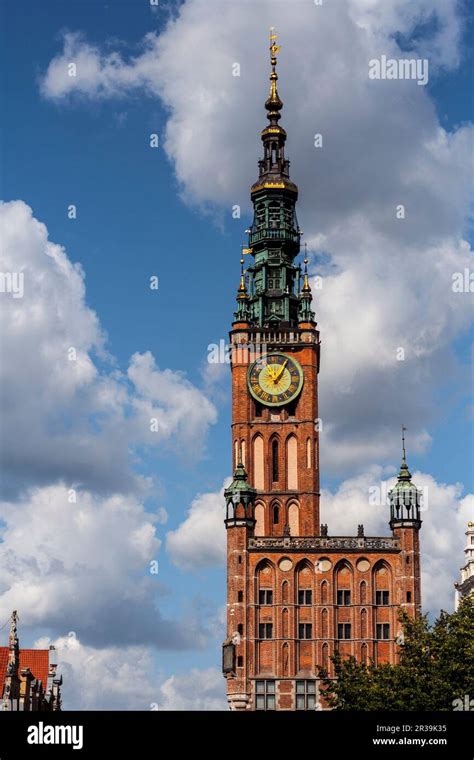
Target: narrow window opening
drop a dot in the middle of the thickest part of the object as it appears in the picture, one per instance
(275, 468)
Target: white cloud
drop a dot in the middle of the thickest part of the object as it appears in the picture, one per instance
(85, 567)
(387, 282)
(196, 690)
(200, 540)
(109, 678)
(384, 16)
(128, 678)
(180, 411)
(65, 419)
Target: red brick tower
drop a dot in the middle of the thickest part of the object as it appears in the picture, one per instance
(294, 593)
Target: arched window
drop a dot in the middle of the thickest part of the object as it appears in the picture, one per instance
(265, 576)
(274, 214)
(292, 463)
(363, 654)
(382, 585)
(325, 657)
(308, 453)
(276, 514)
(294, 519)
(284, 623)
(324, 623)
(285, 652)
(363, 592)
(242, 452)
(260, 519)
(304, 583)
(275, 463)
(363, 624)
(285, 592)
(343, 578)
(260, 215)
(324, 592)
(258, 471)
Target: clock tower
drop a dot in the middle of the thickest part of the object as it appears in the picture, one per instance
(291, 589)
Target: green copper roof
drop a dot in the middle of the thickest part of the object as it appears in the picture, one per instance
(274, 297)
(240, 486)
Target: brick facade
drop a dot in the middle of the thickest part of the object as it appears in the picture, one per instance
(294, 592)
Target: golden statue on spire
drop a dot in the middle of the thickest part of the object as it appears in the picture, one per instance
(273, 99)
(274, 48)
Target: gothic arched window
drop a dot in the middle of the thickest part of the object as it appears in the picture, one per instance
(275, 466)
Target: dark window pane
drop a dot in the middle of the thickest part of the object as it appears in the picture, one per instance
(300, 687)
(311, 687)
(275, 470)
(260, 687)
(270, 702)
(260, 702)
(300, 700)
(311, 702)
(270, 687)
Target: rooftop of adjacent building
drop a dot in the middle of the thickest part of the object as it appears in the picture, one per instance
(37, 660)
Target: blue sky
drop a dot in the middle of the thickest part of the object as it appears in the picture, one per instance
(167, 212)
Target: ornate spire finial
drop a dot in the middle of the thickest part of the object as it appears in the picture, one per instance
(242, 313)
(273, 104)
(306, 286)
(242, 288)
(404, 473)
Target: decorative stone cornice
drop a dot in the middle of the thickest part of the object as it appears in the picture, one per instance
(318, 543)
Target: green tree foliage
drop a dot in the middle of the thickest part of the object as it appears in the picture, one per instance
(436, 667)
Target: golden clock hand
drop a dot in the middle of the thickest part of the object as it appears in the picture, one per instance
(279, 374)
(270, 372)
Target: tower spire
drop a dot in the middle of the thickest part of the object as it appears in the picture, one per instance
(242, 312)
(273, 103)
(405, 498)
(305, 314)
(274, 236)
(404, 473)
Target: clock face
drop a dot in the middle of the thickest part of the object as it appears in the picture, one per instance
(275, 379)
